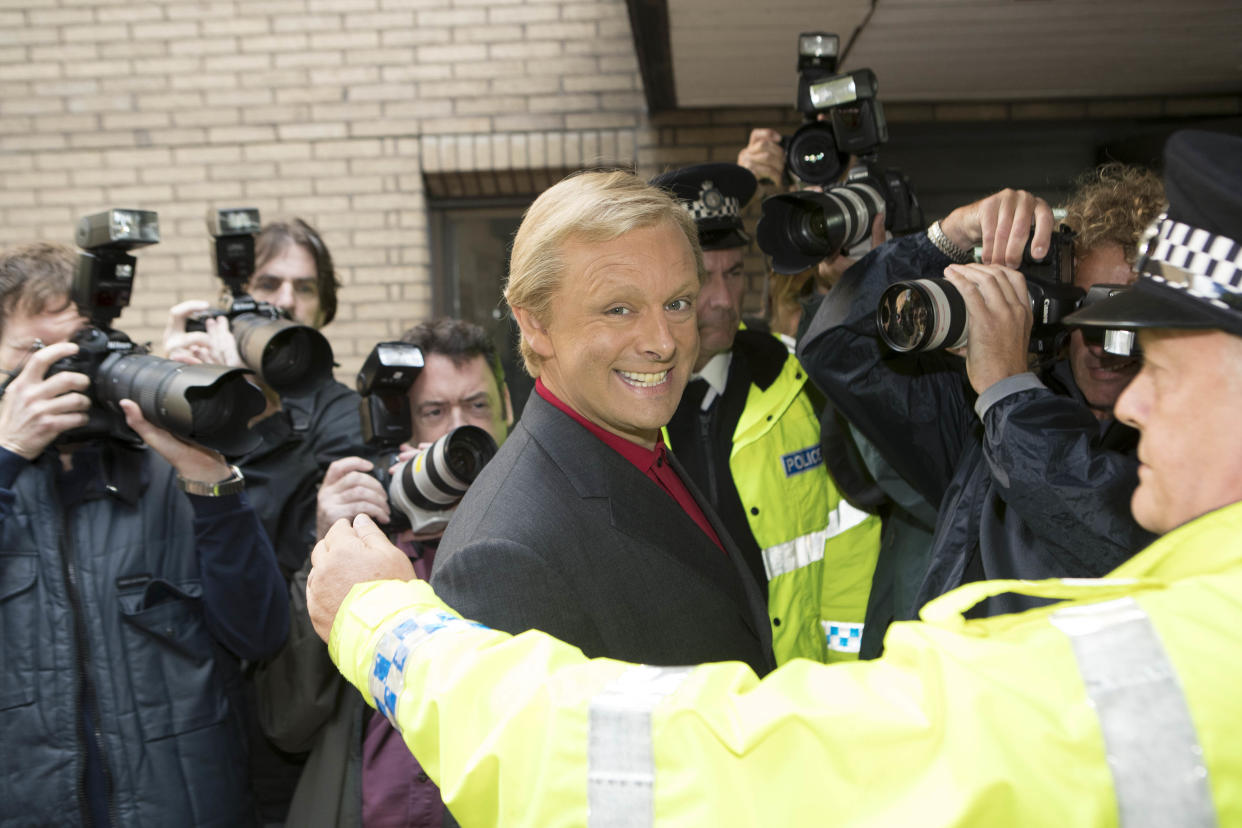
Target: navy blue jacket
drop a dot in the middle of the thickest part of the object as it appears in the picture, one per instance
(125, 606)
(1037, 488)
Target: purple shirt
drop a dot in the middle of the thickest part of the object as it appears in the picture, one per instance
(396, 793)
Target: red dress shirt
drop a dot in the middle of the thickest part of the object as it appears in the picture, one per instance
(651, 462)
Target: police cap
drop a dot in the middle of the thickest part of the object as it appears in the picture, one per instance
(713, 195)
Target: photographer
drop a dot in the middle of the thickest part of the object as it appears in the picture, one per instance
(302, 432)
(1031, 473)
(131, 583)
(358, 771)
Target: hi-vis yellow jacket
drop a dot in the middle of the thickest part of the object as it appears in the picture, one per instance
(819, 552)
(1119, 705)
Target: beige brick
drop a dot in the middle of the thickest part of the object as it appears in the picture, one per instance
(119, 139)
(242, 64)
(31, 71)
(498, 33)
(599, 120)
(613, 28)
(135, 120)
(204, 10)
(524, 85)
(94, 176)
(31, 106)
(16, 198)
(309, 60)
(521, 50)
(255, 171)
(172, 174)
(310, 94)
(569, 67)
(592, 11)
(380, 92)
(59, 17)
(239, 97)
(135, 159)
(563, 103)
(209, 191)
(204, 46)
(397, 56)
(347, 149)
(66, 87)
(19, 125)
(287, 42)
(313, 206)
(37, 180)
(484, 69)
(207, 117)
(130, 13)
(451, 17)
(415, 72)
(349, 76)
(174, 30)
(384, 127)
(286, 150)
(349, 185)
(219, 80)
(453, 89)
(32, 36)
(440, 126)
(141, 195)
(304, 22)
(312, 169)
(280, 115)
(236, 26)
(312, 131)
(72, 196)
(344, 40)
(60, 218)
(380, 21)
(522, 14)
(63, 52)
(618, 64)
(490, 106)
(14, 54)
(562, 31)
(240, 134)
(621, 101)
(346, 111)
(132, 83)
(179, 65)
(600, 47)
(454, 54)
(178, 137)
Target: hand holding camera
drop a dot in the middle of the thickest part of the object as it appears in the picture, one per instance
(999, 308)
(36, 409)
(214, 345)
(1002, 223)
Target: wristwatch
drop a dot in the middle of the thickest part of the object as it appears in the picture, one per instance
(232, 484)
(945, 245)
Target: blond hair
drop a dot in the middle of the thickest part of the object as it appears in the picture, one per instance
(1113, 204)
(591, 207)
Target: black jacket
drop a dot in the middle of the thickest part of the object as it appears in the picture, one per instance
(1036, 490)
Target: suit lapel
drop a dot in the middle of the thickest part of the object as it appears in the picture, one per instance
(642, 510)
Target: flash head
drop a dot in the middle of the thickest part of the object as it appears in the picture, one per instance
(118, 229)
(817, 50)
(391, 366)
(233, 221)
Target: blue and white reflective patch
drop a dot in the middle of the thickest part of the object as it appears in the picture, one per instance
(388, 668)
(843, 637)
(799, 461)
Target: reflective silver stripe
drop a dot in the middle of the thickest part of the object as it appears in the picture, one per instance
(1153, 750)
(782, 558)
(620, 761)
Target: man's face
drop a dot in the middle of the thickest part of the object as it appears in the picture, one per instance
(290, 281)
(1185, 402)
(22, 328)
(447, 395)
(720, 302)
(621, 335)
(1100, 376)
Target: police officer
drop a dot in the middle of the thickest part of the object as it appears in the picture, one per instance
(747, 431)
(1117, 705)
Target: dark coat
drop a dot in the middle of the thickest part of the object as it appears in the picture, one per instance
(561, 533)
(1037, 489)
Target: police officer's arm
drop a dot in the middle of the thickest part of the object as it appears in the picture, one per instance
(527, 731)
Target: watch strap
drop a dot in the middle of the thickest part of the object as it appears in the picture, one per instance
(232, 484)
(936, 235)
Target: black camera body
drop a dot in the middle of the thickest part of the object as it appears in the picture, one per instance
(424, 490)
(926, 314)
(290, 357)
(209, 405)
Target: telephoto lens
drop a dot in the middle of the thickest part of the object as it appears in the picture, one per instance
(427, 487)
(921, 315)
(290, 357)
(813, 157)
(799, 229)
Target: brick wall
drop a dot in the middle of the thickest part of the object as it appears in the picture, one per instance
(335, 110)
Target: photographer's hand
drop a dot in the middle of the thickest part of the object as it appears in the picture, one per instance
(191, 461)
(764, 156)
(347, 491)
(213, 346)
(34, 411)
(999, 309)
(346, 556)
(1002, 223)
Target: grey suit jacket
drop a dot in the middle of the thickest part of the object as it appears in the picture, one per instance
(561, 533)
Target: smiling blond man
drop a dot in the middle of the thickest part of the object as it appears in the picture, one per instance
(583, 525)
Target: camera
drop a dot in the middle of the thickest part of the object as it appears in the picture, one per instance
(799, 229)
(926, 314)
(424, 490)
(853, 119)
(290, 357)
(842, 118)
(207, 404)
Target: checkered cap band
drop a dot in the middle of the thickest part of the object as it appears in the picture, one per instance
(712, 204)
(1204, 265)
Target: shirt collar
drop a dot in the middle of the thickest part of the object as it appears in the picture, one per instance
(640, 456)
(716, 374)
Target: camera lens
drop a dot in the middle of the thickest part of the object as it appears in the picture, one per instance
(290, 357)
(429, 484)
(813, 156)
(921, 315)
(799, 229)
